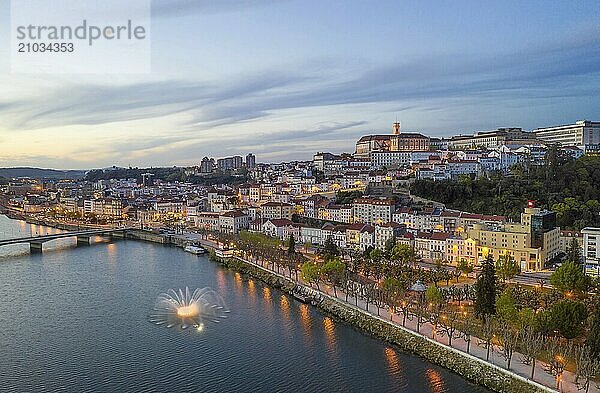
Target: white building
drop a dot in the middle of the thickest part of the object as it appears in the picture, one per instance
(390, 159)
(337, 213)
(310, 235)
(591, 250)
(276, 227)
(169, 206)
(462, 167)
(386, 232)
(207, 220)
(583, 134)
(233, 221)
(373, 210)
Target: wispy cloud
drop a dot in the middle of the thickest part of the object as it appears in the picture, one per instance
(546, 72)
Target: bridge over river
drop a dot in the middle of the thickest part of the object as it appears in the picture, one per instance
(83, 237)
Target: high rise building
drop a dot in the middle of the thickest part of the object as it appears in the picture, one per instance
(229, 163)
(493, 139)
(250, 161)
(532, 243)
(207, 165)
(237, 162)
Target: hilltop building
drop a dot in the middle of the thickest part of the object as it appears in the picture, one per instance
(583, 134)
(493, 139)
(396, 142)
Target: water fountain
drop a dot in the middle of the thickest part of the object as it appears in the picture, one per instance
(184, 309)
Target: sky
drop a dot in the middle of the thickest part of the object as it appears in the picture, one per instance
(285, 79)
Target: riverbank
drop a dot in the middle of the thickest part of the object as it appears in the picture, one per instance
(468, 366)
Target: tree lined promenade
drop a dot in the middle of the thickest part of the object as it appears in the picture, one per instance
(551, 341)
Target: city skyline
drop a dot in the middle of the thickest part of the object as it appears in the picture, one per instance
(275, 79)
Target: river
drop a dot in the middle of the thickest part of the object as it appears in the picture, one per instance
(76, 319)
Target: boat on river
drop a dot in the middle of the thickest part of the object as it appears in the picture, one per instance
(195, 250)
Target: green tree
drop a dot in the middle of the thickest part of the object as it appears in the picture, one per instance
(403, 253)
(485, 290)
(330, 250)
(567, 317)
(291, 245)
(464, 266)
(347, 197)
(440, 272)
(587, 368)
(574, 252)
(434, 296)
(376, 255)
(307, 245)
(527, 319)
(310, 272)
(506, 308)
(510, 338)
(333, 272)
(566, 186)
(570, 277)
(507, 267)
(389, 246)
(532, 346)
(393, 284)
(593, 337)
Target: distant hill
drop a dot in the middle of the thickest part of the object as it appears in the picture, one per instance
(39, 173)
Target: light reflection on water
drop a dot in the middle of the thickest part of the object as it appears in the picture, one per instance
(436, 382)
(392, 360)
(305, 318)
(329, 327)
(221, 280)
(284, 305)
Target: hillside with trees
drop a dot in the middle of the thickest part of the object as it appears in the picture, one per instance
(39, 173)
(169, 174)
(569, 187)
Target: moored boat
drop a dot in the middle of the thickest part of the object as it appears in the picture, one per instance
(194, 250)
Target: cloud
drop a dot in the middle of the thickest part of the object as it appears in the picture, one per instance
(99, 104)
(540, 73)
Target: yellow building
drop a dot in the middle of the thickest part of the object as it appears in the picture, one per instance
(532, 243)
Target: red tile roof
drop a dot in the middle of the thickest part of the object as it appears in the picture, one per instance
(281, 222)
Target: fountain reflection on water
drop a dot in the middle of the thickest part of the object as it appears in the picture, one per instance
(185, 309)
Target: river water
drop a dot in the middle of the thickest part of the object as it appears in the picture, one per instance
(76, 319)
